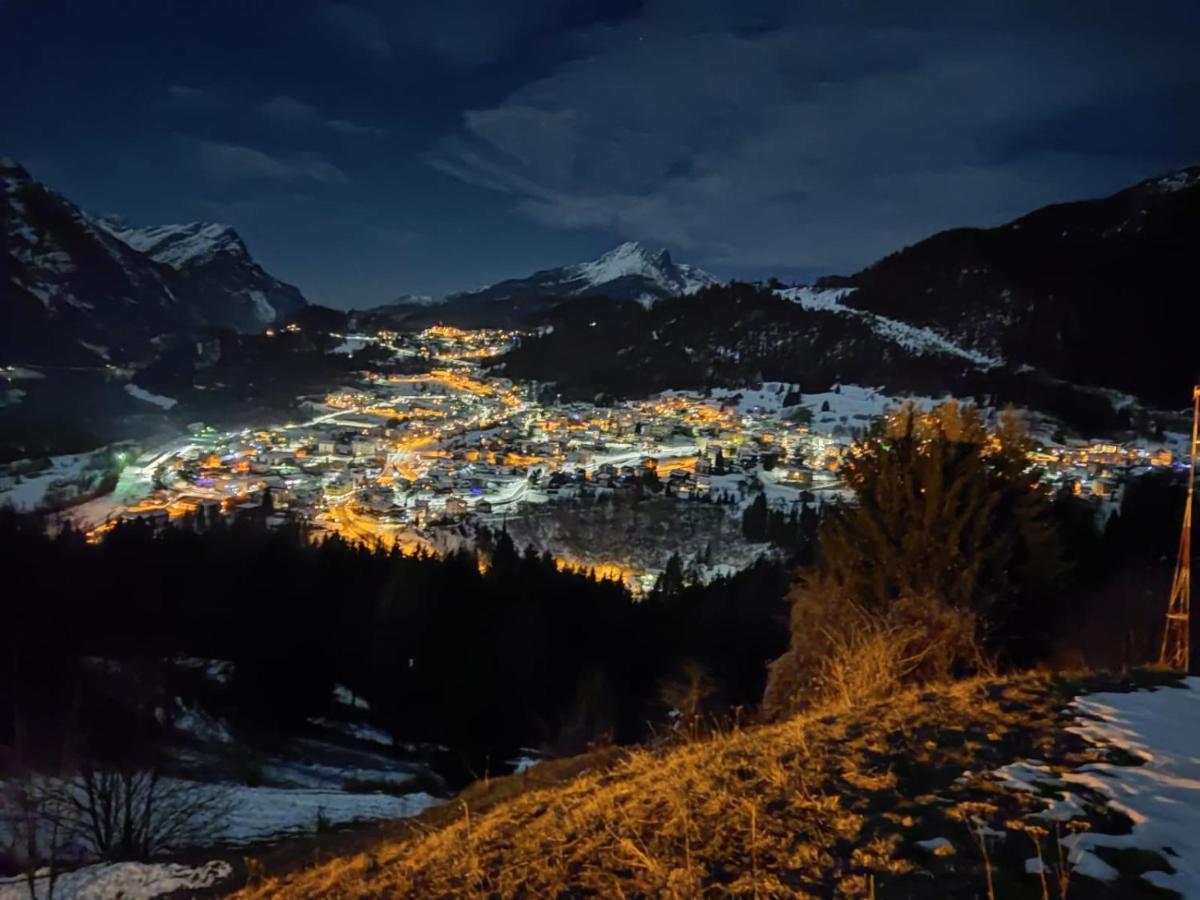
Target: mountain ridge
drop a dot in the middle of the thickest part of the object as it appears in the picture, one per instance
(1098, 290)
(217, 273)
(629, 271)
(86, 291)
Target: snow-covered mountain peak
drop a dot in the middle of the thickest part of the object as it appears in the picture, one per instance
(178, 245)
(635, 259)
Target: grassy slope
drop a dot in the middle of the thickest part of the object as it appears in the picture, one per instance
(819, 805)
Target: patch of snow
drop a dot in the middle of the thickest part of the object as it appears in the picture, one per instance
(157, 399)
(916, 339)
(855, 406)
(360, 731)
(216, 670)
(1089, 864)
(1161, 796)
(100, 351)
(200, 725)
(818, 298)
(263, 311)
(1177, 181)
(29, 493)
(1026, 776)
(352, 343)
(262, 812)
(177, 245)
(347, 697)
(127, 880)
(523, 763)
(935, 844)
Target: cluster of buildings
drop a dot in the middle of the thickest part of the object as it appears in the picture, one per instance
(395, 456)
(1097, 469)
(400, 457)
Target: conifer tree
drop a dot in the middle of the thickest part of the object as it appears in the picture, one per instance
(948, 529)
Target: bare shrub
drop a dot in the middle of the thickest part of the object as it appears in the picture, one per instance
(37, 827)
(852, 655)
(135, 813)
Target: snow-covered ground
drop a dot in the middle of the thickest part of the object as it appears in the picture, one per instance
(352, 343)
(262, 813)
(29, 493)
(856, 406)
(127, 880)
(146, 396)
(913, 338)
(1160, 794)
(247, 815)
(135, 482)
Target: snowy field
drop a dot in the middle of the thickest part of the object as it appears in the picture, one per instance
(264, 813)
(249, 815)
(127, 881)
(29, 493)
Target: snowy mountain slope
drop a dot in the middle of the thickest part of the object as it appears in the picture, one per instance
(632, 260)
(72, 293)
(1091, 292)
(730, 335)
(80, 291)
(914, 338)
(176, 245)
(630, 271)
(217, 274)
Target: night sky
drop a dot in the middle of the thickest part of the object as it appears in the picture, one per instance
(369, 149)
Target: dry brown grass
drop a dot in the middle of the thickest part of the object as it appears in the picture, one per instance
(821, 805)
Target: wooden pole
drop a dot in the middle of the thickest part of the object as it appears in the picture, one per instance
(1176, 646)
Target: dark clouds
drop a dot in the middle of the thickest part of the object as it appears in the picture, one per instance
(232, 162)
(287, 111)
(369, 148)
(822, 135)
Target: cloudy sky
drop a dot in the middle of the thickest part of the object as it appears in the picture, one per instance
(370, 149)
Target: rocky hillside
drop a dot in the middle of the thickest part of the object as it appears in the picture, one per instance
(76, 291)
(215, 274)
(71, 292)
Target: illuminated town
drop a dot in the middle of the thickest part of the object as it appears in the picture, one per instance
(422, 461)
